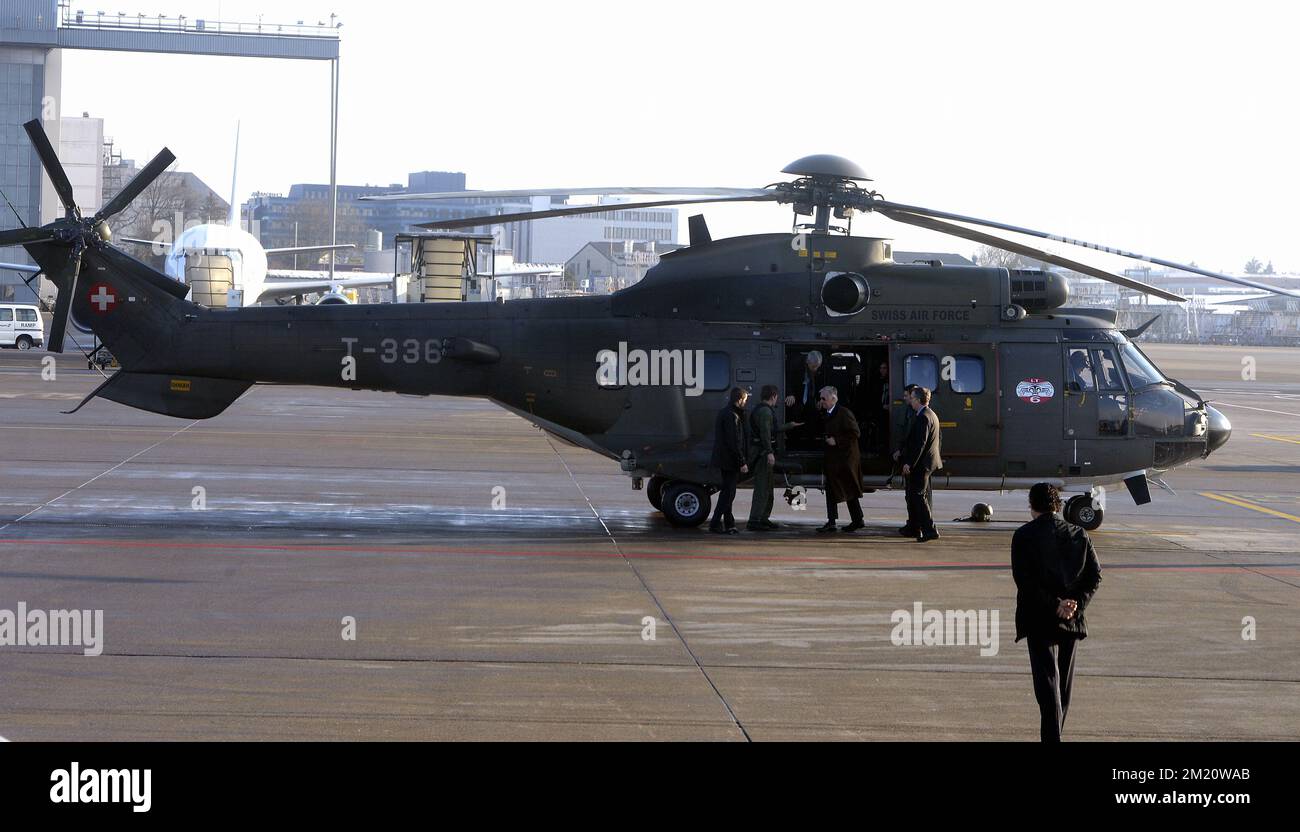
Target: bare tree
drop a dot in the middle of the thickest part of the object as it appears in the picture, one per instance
(214, 209)
(157, 204)
(990, 256)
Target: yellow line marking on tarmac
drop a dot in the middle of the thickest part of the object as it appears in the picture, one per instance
(1292, 439)
(1243, 504)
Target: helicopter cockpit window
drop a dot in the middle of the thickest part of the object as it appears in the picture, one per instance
(717, 371)
(968, 374)
(1112, 399)
(1106, 370)
(1140, 371)
(1081, 377)
(922, 370)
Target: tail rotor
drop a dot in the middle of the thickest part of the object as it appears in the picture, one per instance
(73, 232)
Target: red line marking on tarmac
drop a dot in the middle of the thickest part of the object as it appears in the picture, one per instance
(503, 553)
(525, 553)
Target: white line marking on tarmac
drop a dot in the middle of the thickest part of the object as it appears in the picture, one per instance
(618, 547)
(99, 475)
(1260, 409)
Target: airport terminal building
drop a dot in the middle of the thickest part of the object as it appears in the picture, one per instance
(300, 218)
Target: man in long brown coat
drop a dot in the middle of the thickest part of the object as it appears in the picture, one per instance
(842, 466)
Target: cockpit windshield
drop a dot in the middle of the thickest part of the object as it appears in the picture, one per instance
(1141, 372)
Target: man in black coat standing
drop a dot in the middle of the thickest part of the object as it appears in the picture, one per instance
(920, 459)
(731, 456)
(1056, 573)
(842, 462)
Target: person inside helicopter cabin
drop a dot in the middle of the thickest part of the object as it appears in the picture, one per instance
(804, 378)
(730, 455)
(1081, 376)
(880, 410)
(842, 462)
(763, 429)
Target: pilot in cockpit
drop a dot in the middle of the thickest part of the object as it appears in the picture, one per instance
(1081, 378)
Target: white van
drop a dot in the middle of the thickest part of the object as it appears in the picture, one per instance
(21, 326)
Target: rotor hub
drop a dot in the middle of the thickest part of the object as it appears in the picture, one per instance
(827, 187)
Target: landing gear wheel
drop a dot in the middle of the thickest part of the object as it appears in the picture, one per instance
(654, 491)
(24, 342)
(686, 504)
(1080, 511)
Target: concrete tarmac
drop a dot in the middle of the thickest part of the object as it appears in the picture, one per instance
(505, 585)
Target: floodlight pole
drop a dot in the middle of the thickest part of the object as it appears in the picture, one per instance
(334, 160)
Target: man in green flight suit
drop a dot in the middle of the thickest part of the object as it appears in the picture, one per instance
(763, 429)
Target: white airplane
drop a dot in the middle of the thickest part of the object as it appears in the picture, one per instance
(214, 259)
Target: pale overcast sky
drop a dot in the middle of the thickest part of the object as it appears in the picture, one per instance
(1169, 128)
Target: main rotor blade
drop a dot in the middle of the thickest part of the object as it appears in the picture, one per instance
(63, 307)
(138, 183)
(527, 192)
(575, 210)
(1240, 281)
(19, 236)
(53, 167)
(1028, 251)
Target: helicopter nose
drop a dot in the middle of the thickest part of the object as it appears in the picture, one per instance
(1218, 430)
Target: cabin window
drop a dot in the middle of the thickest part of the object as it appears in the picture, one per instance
(717, 371)
(921, 370)
(6, 315)
(27, 315)
(967, 374)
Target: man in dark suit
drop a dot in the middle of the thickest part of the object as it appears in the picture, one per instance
(1056, 573)
(842, 463)
(920, 459)
(904, 427)
(763, 430)
(731, 456)
(805, 379)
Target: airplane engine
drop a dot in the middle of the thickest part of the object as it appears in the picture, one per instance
(333, 298)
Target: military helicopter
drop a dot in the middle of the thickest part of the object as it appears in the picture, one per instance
(1028, 388)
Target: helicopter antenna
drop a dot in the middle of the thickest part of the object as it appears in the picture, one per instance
(12, 208)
